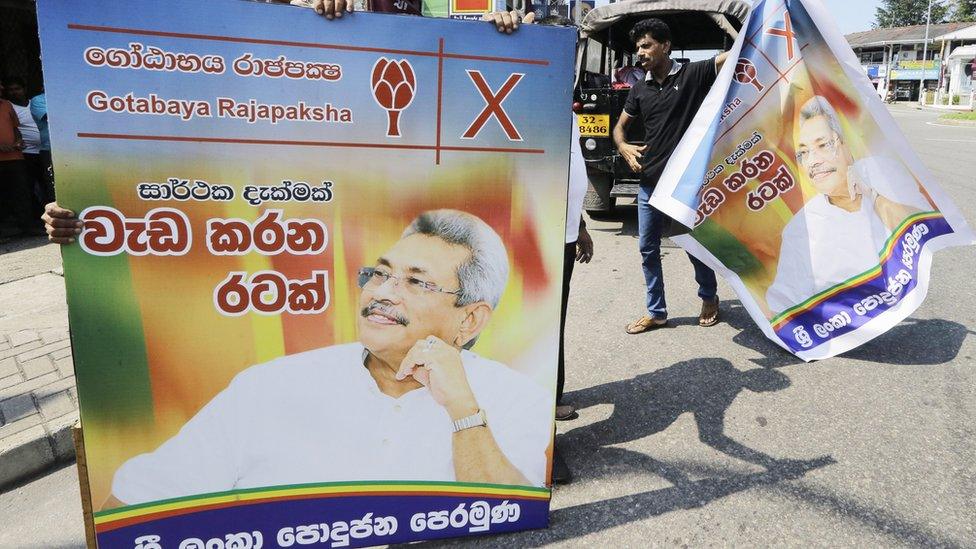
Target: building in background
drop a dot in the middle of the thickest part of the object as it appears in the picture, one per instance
(958, 80)
(893, 58)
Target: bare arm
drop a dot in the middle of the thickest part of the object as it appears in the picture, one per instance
(18, 144)
(477, 458)
(476, 454)
(631, 153)
(720, 60)
(892, 213)
(584, 244)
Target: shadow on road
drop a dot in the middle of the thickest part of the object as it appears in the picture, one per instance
(751, 337)
(915, 342)
(626, 215)
(643, 406)
(9, 244)
(580, 520)
(572, 523)
(650, 403)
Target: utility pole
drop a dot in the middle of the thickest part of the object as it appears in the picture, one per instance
(925, 52)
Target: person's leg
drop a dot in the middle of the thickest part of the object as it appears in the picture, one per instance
(705, 277)
(47, 178)
(561, 473)
(6, 192)
(35, 182)
(707, 291)
(649, 226)
(569, 260)
(13, 178)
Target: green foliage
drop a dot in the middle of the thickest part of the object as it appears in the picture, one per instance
(965, 10)
(901, 13)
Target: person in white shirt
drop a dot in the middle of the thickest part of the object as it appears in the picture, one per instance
(406, 402)
(579, 247)
(27, 194)
(838, 233)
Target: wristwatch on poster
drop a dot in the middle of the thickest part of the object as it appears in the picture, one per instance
(477, 419)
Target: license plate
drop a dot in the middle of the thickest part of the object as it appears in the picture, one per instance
(594, 125)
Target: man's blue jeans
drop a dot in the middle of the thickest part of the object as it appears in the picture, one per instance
(650, 224)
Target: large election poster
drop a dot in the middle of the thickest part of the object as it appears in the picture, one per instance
(802, 191)
(316, 298)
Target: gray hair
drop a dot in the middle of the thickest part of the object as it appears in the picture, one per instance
(819, 106)
(484, 275)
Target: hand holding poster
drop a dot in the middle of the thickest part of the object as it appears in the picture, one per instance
(802, 191)
(311, 252)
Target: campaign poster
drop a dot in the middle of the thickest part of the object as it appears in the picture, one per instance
(473, 10)
(316, 298)
(802, 191)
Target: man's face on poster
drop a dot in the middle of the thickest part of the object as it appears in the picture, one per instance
(824, 156)
(409, 297)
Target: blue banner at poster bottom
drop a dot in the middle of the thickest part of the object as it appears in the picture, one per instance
(851, 308)
(349, 521)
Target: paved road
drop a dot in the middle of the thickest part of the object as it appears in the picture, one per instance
(716, 437)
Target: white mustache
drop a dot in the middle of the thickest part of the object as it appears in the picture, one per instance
(385, 310)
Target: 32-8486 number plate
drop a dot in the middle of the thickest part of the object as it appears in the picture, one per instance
(594, 125)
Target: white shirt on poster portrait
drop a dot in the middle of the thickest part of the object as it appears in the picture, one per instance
(577, 186)
(824, 245)
(319, 416)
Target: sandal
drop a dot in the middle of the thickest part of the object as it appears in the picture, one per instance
(709, 313)
(645, 324)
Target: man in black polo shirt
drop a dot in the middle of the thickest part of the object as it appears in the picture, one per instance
(666, 101)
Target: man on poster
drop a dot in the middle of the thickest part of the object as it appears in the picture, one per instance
(406, 402)
(851, 216)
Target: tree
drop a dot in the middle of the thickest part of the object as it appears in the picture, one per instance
(901, 13)
(965, 10)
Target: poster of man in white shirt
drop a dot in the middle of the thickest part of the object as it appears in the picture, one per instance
(406, 402)
(840, 232)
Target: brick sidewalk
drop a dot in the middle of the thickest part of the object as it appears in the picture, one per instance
(38, 402)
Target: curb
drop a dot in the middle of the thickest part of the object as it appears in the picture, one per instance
(956, 122)
(36, 450)
(943, 108)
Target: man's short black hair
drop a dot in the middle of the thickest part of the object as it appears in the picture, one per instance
(659, 30)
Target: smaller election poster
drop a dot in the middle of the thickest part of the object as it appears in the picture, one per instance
(802, 191)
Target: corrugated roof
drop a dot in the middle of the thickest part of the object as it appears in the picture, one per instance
(902, 35)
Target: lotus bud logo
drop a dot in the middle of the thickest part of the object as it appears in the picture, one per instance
(394, 86)
(746, 73)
